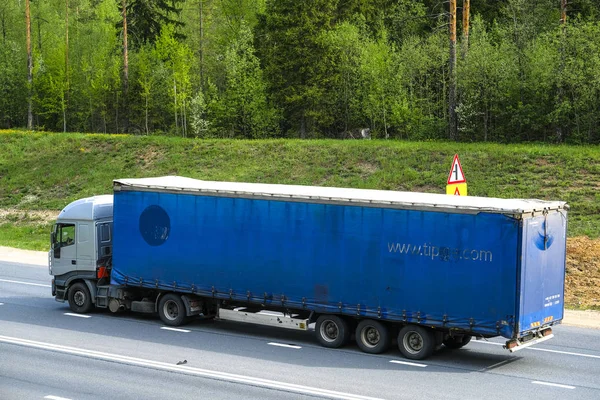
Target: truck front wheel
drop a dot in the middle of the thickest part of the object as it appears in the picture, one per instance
(171, 310)
(332, 331)
(415, 342)
(80, 299)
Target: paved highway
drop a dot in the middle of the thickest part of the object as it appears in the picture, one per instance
(47, 352)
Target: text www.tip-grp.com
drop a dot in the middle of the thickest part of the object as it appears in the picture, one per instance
(440, 252)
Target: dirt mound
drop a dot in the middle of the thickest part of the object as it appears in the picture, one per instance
(582, 286)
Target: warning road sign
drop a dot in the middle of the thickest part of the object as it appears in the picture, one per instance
(456, 173)
(457, 183)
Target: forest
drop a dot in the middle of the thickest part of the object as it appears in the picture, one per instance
(465, 70)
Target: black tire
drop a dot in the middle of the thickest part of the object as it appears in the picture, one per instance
(458, 341)
(415, 342)
(372, 336)
(80, 299)
(332, 331)
(171, 310)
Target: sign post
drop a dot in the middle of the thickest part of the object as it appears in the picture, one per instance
(457, 183)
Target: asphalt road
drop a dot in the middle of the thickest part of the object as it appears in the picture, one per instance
(46, 352)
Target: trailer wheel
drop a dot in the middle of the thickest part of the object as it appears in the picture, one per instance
(372, 336)
(332, 331)
(456, 342)
(171, 310)
(80, 299)
(415, 342)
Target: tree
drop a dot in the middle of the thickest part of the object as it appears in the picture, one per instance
(344, 49)
(383, 100)
(243, 110)
(14, 95)
(147, 18)
(486, 76)
(66, 96)
(465, 26)
(452, 125)
(146, 79)
(175, 56)
(291, 54)
(29, 67)
(125, 47)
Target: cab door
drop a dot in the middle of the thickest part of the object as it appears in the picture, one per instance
(64, 249)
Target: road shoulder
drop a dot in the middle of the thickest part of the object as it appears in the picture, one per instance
(31, 257)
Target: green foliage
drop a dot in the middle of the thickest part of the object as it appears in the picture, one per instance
(323, 68)
(242, 110)
(13, 85)
(147, 18)
(292, 52)
(343, 59)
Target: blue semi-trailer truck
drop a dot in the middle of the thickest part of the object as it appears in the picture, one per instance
(380, 266)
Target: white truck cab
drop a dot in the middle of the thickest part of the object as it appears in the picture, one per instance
(81, 243)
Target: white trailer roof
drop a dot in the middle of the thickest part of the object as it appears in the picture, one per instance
(333, 195)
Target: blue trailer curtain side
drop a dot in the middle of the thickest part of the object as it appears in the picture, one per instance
(433, 267)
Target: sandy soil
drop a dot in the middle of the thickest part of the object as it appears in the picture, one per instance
(583, 273)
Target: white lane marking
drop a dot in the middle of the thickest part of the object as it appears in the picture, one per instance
(486, 342)
(546, 350)
(565, 352)
(409, 363)
(553, 384)
(496, 365)
(24, 283)
(224, 376)
(167, 328)
(51, 397)
(291, 346)
(77, 315)
(1, 304)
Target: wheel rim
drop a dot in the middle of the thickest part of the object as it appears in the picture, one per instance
(413, 342)
(370, 336)
(79, 298)
(171, 310)
(329, 331)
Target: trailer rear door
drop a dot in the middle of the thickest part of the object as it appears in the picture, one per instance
(542, 270)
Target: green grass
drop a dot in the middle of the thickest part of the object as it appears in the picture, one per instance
(28, 236)
(46, 171)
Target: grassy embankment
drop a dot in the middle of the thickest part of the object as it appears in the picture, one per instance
(41, 173)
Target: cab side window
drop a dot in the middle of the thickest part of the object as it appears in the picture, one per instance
(67, 235)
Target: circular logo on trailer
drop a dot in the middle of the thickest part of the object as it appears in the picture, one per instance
(155, 225)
